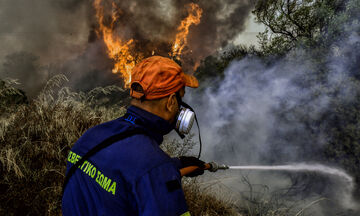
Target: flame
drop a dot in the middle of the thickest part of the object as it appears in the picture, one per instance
(120, 50)
(194, 16)
(117, 49)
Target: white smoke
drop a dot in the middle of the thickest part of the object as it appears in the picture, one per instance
(256, 116)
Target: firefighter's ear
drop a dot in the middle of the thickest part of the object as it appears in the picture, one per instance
(171, 105)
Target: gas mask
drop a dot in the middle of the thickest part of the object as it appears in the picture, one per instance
(185, 120)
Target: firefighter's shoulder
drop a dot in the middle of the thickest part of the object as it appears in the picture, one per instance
(137, 154)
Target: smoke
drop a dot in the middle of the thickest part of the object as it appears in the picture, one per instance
(256, 117)
(278, 113)
(53, 30)
(60, 35)
(153, 25)
(36, 34)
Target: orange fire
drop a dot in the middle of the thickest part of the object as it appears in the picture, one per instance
(194, 16)
(117, 49)
(120, 50)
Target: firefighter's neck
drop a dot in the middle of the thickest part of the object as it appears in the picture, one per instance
(164, 107)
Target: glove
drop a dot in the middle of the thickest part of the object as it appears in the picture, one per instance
(192, 161)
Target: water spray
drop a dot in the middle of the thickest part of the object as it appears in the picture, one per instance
(300, 167)
(348, 189)
(213, 167)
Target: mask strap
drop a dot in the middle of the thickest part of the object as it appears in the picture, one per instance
(197, 123)
(179, 100)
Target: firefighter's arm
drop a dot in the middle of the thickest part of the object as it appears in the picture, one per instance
(159, 192)
(191, 166)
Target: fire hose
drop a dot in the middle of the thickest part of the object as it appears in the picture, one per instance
(212, 167)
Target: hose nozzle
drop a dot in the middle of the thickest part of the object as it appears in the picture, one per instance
(212, 167)
(215, 167)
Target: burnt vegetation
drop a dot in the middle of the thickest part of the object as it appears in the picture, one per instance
(36, 134)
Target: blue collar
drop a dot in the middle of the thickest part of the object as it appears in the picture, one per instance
(155, 125)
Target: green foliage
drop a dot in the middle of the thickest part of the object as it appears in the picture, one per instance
(343, 126)
(291, 23)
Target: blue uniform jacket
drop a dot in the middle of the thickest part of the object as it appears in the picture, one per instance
(130, 177)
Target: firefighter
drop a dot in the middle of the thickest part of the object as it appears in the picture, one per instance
(132, 175)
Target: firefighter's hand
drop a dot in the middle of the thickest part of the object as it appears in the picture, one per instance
(193, 161)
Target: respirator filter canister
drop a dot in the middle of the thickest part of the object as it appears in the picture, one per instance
(185, 121)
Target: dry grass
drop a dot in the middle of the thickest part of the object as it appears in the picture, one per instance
(35, 138)
(10, 98)
(175, 148)
(34, 144)
(203, 202)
